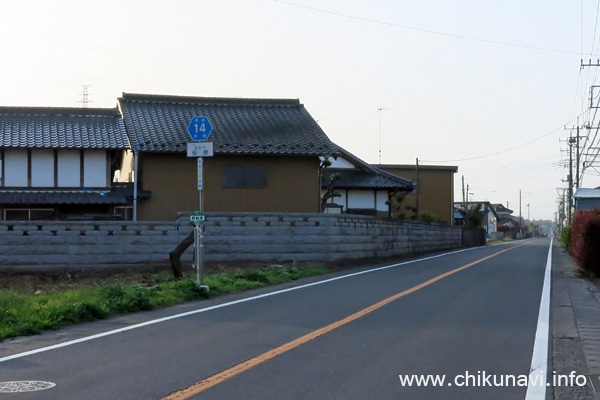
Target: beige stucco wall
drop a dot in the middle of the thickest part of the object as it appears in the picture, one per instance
(292, 185)
(436, 189)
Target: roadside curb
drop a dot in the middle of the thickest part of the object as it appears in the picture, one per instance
(575, 321)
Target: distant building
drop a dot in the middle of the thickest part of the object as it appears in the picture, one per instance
(501, 210)
(490, 216)
(434, 190)
(507, 222)
(361, 188)
(587, 199)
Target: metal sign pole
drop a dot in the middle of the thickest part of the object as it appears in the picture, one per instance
(200, 276)
(197, 252)
(199, 129)
(199, 237)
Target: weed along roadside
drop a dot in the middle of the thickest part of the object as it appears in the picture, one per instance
(29, 307)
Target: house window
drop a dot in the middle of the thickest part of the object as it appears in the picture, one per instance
(69, 168)
(16, 168)
(124, 212)
(29, 214)
(244, 177)
(42, 168)
(94, 168)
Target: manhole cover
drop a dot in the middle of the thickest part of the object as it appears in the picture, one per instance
(25, 386)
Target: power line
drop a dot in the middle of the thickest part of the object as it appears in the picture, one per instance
(496, 153)
(408, 75)
(339, 14)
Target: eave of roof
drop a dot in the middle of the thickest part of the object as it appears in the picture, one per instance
(60, 111)
(587, 193)
(358, 163)
(116, 194)
(359, 179)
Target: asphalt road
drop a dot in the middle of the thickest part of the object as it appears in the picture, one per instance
(480, 320)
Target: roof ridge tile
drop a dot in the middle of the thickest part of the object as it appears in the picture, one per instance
(213, 101)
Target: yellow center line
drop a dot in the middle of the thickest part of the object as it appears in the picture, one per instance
(253, 362)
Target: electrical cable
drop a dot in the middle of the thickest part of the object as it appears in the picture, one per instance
(426, 30)
(408, 75)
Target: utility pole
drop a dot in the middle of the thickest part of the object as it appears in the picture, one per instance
(570, 183)
(577, 176)
(520, 217)
(418, 190)
(570, 142)
(463, 191)
(380, 109)
(467, 194)
(564, 204)
(574, 140)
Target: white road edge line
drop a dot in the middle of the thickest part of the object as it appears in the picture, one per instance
(536, 388)
(201, 310)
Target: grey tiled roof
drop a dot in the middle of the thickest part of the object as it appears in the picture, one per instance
(501, 209)
(355, 178)
(240, 126)
(52, 196)
(50, 127)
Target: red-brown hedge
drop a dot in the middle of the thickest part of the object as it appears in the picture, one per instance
(585, 240)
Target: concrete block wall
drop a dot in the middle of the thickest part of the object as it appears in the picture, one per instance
(228, 238)
(39, 245)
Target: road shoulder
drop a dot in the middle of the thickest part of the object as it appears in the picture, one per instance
(575, 324)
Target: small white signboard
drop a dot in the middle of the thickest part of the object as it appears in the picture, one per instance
(197, 218)
(200, 149)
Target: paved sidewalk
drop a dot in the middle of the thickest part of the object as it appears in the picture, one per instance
(575, 325)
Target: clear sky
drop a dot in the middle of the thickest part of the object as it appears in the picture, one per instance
(487, 86)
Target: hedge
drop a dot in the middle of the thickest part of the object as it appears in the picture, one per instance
(585, 240)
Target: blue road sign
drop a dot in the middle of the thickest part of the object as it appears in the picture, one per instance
(199, 128)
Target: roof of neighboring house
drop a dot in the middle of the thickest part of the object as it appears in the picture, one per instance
(501, 209)
(364, 176)
(158, 123)
(487, 206)
(458, 214)
(585, 193)
(361, 179)
(116, 194)
(361, 165)
(510, 222)
(53, 127)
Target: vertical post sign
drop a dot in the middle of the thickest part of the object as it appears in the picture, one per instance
(199, 129)
(200, 176)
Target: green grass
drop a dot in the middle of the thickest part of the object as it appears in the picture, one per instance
(24, 313)
(565, 238)
(498, 241)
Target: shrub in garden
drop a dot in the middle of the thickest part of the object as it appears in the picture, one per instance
(585, 240)
(565, 237)
(426, 216)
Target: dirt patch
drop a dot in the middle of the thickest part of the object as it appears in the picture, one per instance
(50, 281)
